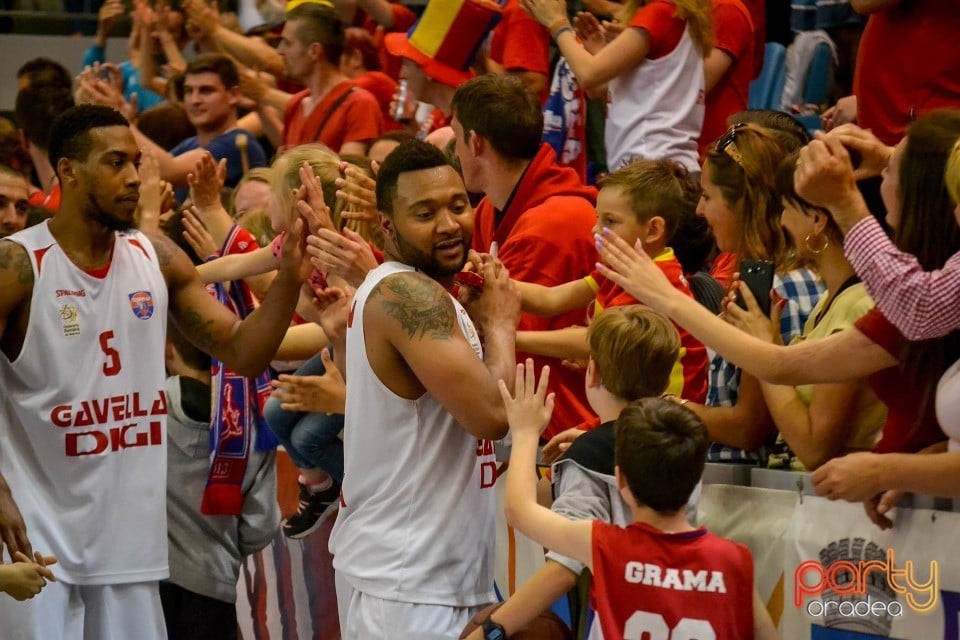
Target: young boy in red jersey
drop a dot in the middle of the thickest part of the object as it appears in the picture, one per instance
(643, 201)
(659, 575)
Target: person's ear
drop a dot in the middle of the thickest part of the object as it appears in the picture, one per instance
(66, 171)
(656, 230)
(386, 225)
(316, 52)
(476, 143)
(233, 95)
(820, 222)
(593, 375)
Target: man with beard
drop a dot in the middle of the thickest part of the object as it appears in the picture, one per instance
(82, 415)
(413, 541)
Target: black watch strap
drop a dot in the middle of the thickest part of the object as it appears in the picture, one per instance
(493, 631)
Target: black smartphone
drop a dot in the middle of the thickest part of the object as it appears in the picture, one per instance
(758, 275)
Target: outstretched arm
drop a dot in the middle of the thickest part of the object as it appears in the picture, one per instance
(245, 346)
(842, 356)
(529, 412)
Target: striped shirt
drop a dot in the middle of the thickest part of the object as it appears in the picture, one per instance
(921, 304)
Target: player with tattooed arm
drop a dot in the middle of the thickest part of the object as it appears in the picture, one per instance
(413, 541)
(83, 315)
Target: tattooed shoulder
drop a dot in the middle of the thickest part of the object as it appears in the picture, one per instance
(421, 306)
(164, 247)
(15, 262)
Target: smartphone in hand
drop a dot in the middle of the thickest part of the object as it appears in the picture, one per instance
(758, 276)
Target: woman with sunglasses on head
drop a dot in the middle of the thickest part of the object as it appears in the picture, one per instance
(902, 374)
(653, 71)
(742, 207)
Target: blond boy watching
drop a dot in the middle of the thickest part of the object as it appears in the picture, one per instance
(632, 352)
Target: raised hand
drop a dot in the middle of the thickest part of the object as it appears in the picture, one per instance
(530, 407)
(873, 154)
(151, 194)
(824, 174)
(346, 255)
(197, 236)
(358, 191)
(311, 192)
(546, 12)
(206, 182)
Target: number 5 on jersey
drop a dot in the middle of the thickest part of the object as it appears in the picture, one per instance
(112, 366)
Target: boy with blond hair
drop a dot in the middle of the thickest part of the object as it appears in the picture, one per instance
(659, 575)
(632, 352)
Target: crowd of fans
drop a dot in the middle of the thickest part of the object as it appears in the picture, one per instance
(364, 138)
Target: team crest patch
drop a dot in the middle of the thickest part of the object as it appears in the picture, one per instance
(142, 304)
(70, 319)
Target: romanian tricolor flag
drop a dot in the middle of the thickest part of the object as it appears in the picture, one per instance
(446, 38)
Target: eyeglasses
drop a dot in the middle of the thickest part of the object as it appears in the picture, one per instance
(727, 143)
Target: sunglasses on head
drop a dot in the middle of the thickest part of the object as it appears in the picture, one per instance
(727, 143)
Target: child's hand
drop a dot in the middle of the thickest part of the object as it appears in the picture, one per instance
(358, 191)
(559, 444)
(206, 182)
(529, 411)
(311, 192)
(316, 394)
(25, 578)
(197, 236)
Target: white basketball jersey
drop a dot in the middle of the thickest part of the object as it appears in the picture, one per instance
(83, 419)
(656, 109)
(416, 522)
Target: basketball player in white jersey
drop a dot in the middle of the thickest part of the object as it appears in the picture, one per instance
(413, 541)
(82, 415)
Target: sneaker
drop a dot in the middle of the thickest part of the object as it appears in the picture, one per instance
(313, 507)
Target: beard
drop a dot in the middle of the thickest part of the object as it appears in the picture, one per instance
(107, 218)
(428, 262)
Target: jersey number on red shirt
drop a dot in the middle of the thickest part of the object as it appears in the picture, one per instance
(644, 625)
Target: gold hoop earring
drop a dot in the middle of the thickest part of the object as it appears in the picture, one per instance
(816, 252)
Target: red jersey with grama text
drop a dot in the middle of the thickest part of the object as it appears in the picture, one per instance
(651, 585)
(83, 412)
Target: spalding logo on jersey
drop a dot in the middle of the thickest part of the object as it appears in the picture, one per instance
(142, 304)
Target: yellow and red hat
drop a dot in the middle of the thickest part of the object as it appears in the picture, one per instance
(445, 40)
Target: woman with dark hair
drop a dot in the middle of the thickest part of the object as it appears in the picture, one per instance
(915, 175)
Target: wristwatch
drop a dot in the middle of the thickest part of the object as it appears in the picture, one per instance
(493, 631)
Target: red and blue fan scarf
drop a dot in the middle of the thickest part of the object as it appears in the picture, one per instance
(237, 420)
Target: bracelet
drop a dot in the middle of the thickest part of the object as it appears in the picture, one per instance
(561, 31)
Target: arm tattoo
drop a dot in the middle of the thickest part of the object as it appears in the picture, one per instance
(15, 257)
(419, 304)
(197, 329)
(24, 269)
(164, 248)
